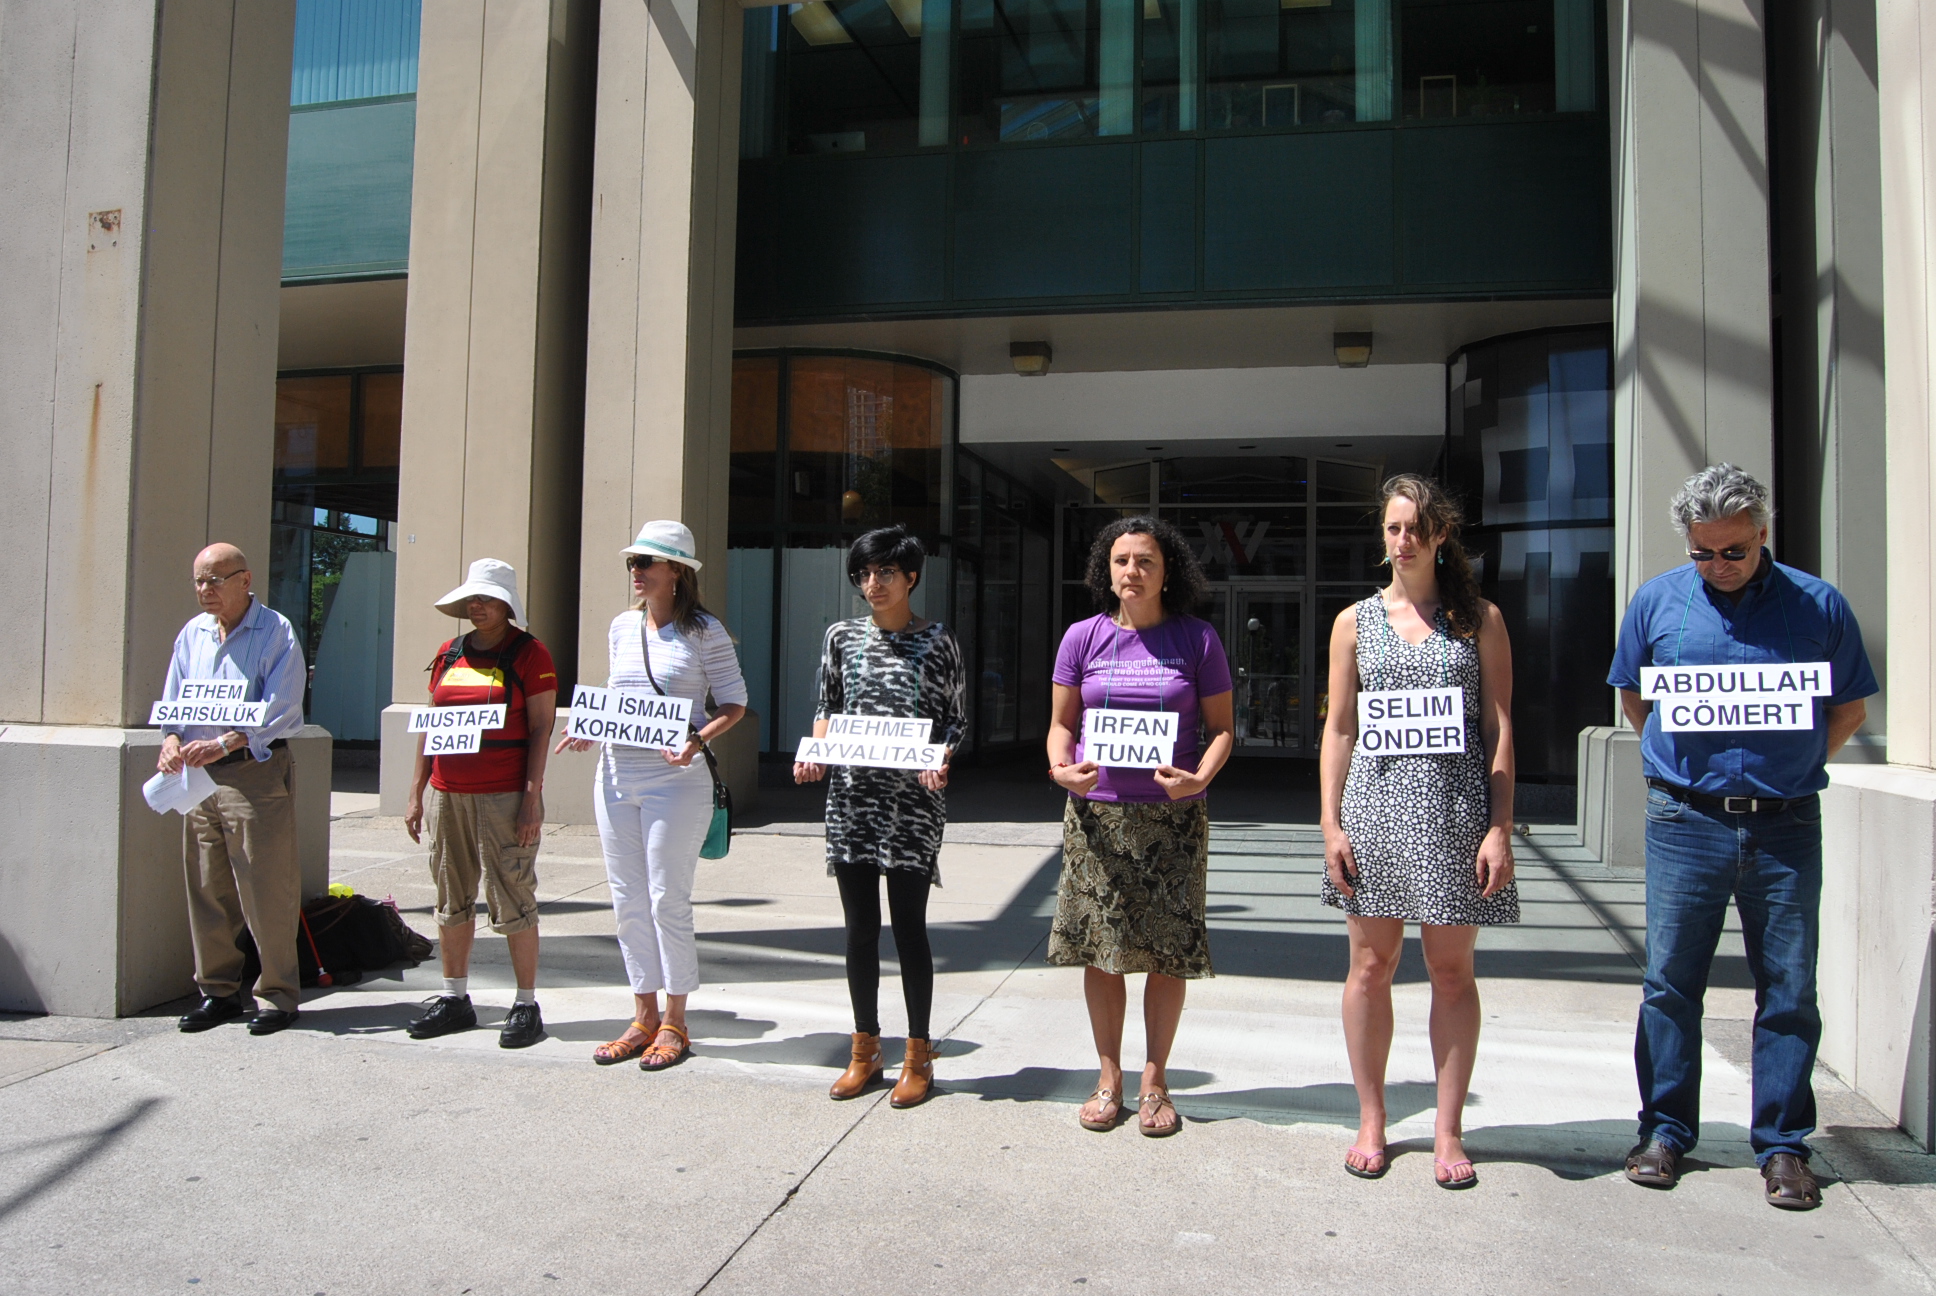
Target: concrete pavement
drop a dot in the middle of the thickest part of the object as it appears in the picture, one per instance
(341, 1157)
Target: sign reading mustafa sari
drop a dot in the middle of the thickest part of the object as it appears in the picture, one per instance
(1724, 699)
(455, 730)
(884, 742)
(629, 717)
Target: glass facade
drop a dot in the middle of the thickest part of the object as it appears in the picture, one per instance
(1530, 446)
(852, 76)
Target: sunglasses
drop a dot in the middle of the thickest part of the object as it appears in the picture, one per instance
(1709, 555)
(639, 562)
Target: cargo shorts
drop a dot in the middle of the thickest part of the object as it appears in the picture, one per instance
(474, 837)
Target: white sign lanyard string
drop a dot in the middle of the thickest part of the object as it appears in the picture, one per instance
(1108, 684)
(1681, 641)
(1445, 646)
(867, 670)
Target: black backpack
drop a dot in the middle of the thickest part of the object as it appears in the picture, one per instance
(342, 937)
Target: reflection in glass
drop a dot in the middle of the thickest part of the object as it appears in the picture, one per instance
(1272, 63)
(1046, 69)
(863, 74)
(1264, 641)
(1251, 542)
(864, 442)
(1484, 58)
(380, 440)
(755, 440)
(1171, 76)
(313, 424)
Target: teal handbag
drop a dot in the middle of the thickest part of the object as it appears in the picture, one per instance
(719, 833)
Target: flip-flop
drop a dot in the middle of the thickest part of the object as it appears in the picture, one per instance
(1451, 1181)
(1103, 1124)
(1160, 1099)
(622, 1049)
(1382, 1157)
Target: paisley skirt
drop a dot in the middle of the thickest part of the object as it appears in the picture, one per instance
(1131, 896)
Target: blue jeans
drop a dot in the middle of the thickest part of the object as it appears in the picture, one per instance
(1771, 866)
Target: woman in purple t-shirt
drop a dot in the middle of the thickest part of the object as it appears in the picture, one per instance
(1136, 841)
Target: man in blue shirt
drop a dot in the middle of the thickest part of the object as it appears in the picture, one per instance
(239, 845)
(1732, 811)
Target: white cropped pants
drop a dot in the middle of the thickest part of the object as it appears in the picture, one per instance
(652, 825)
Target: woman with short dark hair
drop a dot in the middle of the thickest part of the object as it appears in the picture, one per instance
(886, 823)
(1135, 840)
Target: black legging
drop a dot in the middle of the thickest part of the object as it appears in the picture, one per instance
(907, 903)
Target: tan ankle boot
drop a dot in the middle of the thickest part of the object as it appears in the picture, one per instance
(862, 1071)
(917, 1075)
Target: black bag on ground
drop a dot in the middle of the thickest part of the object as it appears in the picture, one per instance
(344, 936)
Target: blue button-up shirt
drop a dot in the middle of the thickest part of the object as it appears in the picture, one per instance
(1678, 619)
(262, 650)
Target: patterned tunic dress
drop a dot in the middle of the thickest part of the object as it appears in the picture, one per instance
(1416, 822)
(884, 817)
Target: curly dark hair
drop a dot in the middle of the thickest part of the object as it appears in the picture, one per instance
(1439, 518)
(1184, 588)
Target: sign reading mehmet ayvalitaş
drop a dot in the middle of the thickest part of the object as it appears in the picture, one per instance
(1720, 699)
(885, 742)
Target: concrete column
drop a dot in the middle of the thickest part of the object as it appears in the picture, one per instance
(1828, 262)
(1692, 360)
(1879, 823)
(658, 397)
(494, 350)
(141, 244)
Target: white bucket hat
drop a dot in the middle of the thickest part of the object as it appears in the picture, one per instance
(671, 541)
(491, 578)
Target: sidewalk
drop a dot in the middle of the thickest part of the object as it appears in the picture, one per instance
(341, 1157)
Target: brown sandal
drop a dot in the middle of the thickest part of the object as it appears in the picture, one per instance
(622, 1049)
(1151, 1105)
(1111, 1104)
(660, 1056)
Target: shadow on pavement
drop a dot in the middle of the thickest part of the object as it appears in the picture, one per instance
(821, 1049)
(92, 1143)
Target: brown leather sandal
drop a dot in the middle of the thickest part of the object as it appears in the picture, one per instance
(660, 1056)
(1150, 1106)
(622, 1049)
(1109, 1114)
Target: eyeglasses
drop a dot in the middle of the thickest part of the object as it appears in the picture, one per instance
(216, 582)
(884, 575)
(1735, 554)
(639, 562)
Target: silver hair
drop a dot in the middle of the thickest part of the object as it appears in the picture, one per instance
(1722, 491)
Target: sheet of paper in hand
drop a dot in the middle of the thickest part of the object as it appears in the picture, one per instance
(885, 742)
(1412, 722)
(210, 702)
(1129, 739)
(180, 792)
(629, 717)
(1717, 699)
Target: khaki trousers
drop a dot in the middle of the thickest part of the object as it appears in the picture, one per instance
(239, 853)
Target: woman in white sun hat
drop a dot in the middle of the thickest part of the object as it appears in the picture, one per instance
(654, 807)
(486, 808)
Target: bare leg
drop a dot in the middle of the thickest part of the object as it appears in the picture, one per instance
(454, 948)
(524, 957)
(1108, 999)
(1455, 1031)
(1375, 946)
(675, 1013)
(645, 1011)
(1162, 1011)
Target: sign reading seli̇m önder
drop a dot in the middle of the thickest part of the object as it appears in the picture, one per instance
(1412, 722)
(455, 730)
(885, 742)
(1710, 699)
(629, 717)
(210, 702)
(1129, 739)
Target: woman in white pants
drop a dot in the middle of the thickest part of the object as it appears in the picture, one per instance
(654, 807)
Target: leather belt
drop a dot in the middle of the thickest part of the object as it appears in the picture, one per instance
(1726, 804)
(242, 753)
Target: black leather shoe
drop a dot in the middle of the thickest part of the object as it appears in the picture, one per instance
(1790, 1183)
(271, 1020)
(523, 1028)
(444, 1015)
(211, 1012)
(1653, 1164)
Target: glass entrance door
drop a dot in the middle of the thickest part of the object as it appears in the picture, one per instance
(1264, 635)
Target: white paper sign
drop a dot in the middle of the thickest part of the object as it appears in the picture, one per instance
(881, 753)
(629, 717)
(1726, 699)
(210, 702)
(1411, 722)
(446, 718)
(180, 792)
(453, 742)
(1129, 739)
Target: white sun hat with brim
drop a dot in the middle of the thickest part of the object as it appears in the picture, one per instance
(490, 578)
(671, 541)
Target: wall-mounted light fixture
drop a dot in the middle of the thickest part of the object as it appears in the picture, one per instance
(1352, 349)
(1031, 359)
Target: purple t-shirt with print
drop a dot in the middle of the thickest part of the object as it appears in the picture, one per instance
(1168, 667)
